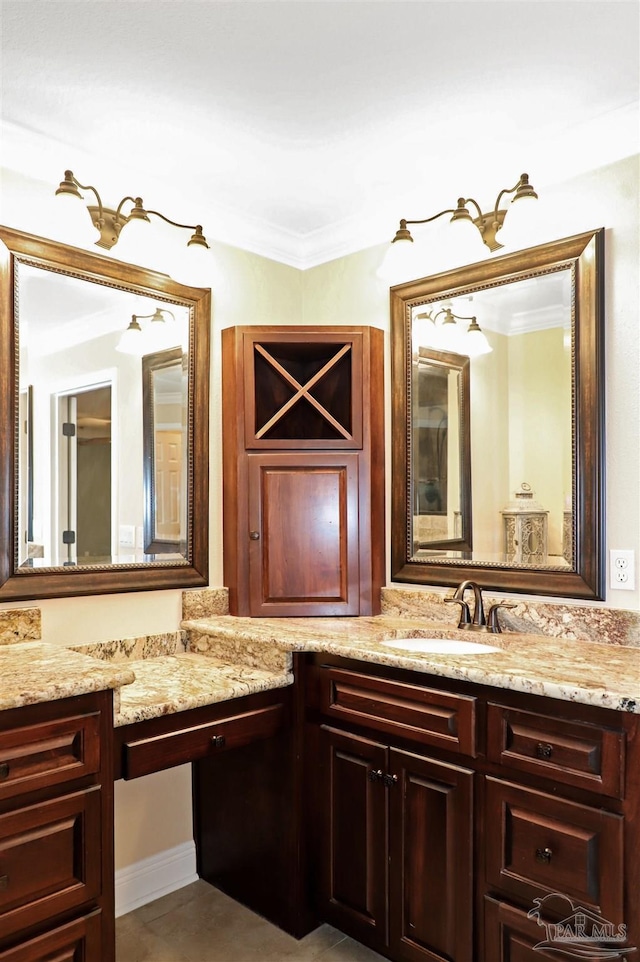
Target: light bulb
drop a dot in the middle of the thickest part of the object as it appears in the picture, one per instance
(397, 265)
(475, 341)
(73, 222)
(132, 340)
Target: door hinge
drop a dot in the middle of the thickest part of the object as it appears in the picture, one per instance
(68, 429)
(68, 537)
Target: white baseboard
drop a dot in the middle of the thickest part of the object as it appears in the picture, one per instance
(154, 877)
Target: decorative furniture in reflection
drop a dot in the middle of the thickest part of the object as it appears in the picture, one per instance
(303, 463)
(487, 224)
(525, 529)
(567, 537)
(537, 398)
(82, 316)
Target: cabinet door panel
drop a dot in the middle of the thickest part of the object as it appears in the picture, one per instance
(537, 845)
(431, 808)
(354, 886)
(78, 941)
(303, 546)
(45, 866)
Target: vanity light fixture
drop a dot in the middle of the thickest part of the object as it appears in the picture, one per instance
(110, 225)
(138, 341)
(447, 335)
(487, 224)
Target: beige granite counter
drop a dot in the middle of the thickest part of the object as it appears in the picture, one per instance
(33, 672)
(172, 683)
(594, 674)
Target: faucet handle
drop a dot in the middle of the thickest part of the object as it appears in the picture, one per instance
(465, 613)
(492, 618)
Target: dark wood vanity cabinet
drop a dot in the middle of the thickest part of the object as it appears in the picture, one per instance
(395, 841)
(303, 481)
(56, 831)
(442, 813)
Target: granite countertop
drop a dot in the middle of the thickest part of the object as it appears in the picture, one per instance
(34, 672)
(167, 684)
(604, 675)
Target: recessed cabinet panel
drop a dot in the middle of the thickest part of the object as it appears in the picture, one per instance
(431, 836)
(77, 941)
(537, 845)
(43, 863)
(48, 753)
(303, 540)
(355, 863)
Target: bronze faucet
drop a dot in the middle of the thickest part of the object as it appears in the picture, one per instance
(478, 622)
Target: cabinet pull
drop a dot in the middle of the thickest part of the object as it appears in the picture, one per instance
(218, 741)
(4, 771)
(254, 535)
(544, 855)
(544, 750)
(390, 780)
(375, 775)
(4, 882)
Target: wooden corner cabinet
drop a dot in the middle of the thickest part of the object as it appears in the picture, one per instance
(303, 476)
(56, 831)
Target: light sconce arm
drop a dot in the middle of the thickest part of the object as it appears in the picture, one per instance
(487, 224)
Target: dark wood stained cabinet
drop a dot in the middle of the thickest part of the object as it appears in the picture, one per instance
(303, 470)
(442, 813)
(56, 831)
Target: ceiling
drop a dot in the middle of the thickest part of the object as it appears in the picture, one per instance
(305, 130)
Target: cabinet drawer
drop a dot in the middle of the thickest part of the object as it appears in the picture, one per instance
(77, 941)
(156, 752)
(421, 714)
(50, 859)
(537, 845)
(49, 753)
(575, 753)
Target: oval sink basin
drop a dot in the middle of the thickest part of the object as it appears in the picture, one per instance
(440, 646)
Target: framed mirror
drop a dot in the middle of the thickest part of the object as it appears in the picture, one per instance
(536, 421)
(82, 509)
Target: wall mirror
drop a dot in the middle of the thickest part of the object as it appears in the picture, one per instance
(104, 468)
(525, 510)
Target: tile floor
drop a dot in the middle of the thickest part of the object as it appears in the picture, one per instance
(198, 923)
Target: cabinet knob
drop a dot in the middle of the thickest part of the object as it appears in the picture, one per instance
(218, 741)
(543, 750)
(390, 780)
(4, 771)
(254, 535)
(543, 855)
(375, 775)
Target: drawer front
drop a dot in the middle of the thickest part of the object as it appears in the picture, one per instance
(538, 845)
(154, 753)
(50, 859)
(49, 753)
(587, 756)
(425, 715)
(511, 935)
(78, 941)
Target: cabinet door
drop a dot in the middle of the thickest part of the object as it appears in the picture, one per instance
(431, 844)
(303, 534)
(354, 868)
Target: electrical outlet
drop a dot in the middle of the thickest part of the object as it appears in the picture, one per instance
(127, 535)
(622, 569)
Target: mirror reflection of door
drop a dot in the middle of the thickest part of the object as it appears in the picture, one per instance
(164, 403)
(84, 475)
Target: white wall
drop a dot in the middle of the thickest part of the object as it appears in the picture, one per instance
(248, 289)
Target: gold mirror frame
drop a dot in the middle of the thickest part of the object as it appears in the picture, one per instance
(20, 583)
(583, 255)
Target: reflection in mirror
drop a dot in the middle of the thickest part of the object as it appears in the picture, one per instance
(164, 408)
(84, 497)
(535, 423)
(87, 438)
(440, 456)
